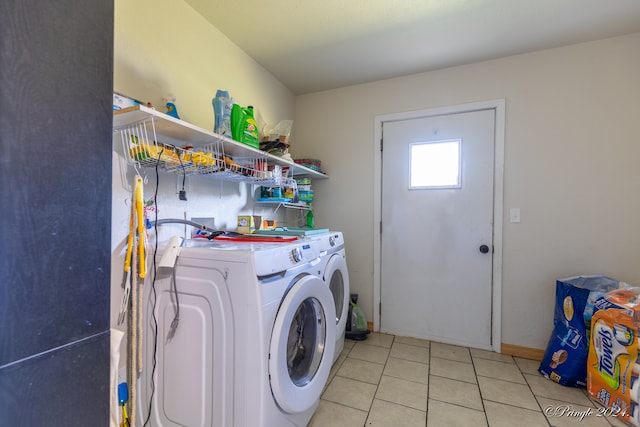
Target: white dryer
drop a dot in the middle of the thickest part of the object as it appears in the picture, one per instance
(333, 270)
(255, 338)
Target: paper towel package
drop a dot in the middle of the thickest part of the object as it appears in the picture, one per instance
(612, 364)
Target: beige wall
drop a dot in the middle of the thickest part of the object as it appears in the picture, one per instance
(164, 47)
(572, 148)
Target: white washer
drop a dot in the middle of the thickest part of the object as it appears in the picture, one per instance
(333, 270)
(255, 339)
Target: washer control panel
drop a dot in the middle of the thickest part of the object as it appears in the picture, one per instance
(284, 257)
(296, 255)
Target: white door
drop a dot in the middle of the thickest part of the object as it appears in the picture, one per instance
(437, 227)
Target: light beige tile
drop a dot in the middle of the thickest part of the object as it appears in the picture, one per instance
(348, 344)
(563, 414)
(361, 370)
(407, 370)
(341, 357)
(387, 414)
(616, 421)
(498, 370)
(353, 396)
(410, 352)
(501, 415)
(370, 353)
(330, 414)
(543, 387)
(452, 369)
(527, 366)
(348, 392)
(403, 392)
(381, 340)
(441, 414)
(345, 352)
(332, 373)
(455, 392)
(413, 341)
(451, 352)
(491, 355)
(507, 392)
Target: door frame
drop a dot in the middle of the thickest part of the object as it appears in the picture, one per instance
(498, 203)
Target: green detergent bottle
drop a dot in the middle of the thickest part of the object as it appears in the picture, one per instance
(310, 222)
(244, 128)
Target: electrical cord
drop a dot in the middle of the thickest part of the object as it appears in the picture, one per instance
(155, 296)
(182, 195)
(176, 317)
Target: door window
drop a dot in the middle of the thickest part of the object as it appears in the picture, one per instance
(435, 164)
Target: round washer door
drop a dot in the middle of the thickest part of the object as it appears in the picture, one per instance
(337, 277)
(302, 345)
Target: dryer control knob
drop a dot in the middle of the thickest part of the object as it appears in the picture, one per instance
(332, 241)
(296, 255)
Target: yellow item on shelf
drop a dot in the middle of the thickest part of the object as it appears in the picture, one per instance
(269, 224)
(149, 152)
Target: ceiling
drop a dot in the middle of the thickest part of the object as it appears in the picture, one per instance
(316, 45)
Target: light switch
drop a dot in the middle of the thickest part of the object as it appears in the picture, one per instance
(514, 215)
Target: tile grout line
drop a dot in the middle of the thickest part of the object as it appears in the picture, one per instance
(533, 394)
(379, 380)
(451, 360)
(475, 372)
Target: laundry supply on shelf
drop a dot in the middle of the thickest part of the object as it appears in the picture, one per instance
(121, 101)
(170, 103)
(244, 128)
(312, 164)
(222, 104)
(249, 223)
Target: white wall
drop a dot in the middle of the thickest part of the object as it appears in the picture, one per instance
(164, 47)
(572, 147)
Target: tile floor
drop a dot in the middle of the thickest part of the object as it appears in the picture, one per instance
(396, 381)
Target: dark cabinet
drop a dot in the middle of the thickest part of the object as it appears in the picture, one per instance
(56, 84)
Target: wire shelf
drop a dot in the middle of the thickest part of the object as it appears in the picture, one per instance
(142, 149)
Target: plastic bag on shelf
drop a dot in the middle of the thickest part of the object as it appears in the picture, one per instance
(280, 132)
